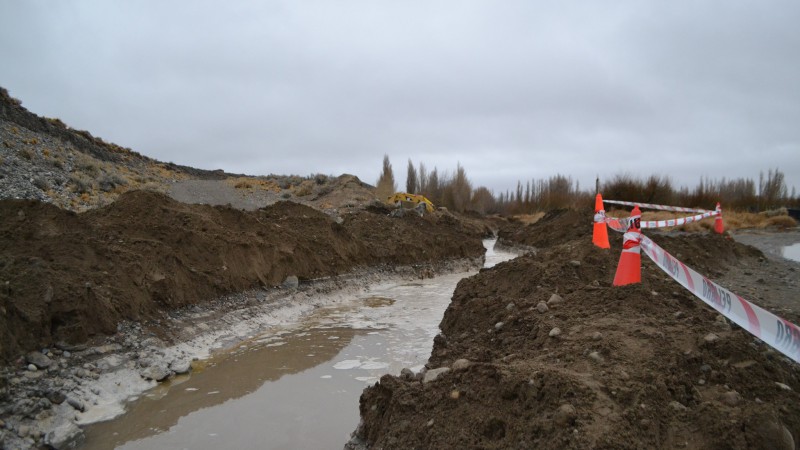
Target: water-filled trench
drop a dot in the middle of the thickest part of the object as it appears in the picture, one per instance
(295, 386)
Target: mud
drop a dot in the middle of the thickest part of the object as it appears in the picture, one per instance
(65, 277)
(544, 353)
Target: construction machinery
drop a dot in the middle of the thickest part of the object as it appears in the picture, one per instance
(415, 201)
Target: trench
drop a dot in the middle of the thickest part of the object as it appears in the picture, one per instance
(296, 385)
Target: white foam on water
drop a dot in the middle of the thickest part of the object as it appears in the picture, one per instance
(347, 364)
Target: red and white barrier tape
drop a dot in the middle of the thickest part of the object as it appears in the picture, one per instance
(778, 333)
(659, 207)
(621, 225)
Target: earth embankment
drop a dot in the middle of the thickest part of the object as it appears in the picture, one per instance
(543, 352)
(67, 276)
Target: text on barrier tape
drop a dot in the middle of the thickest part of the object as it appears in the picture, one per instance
(652, 206)
(778, 333)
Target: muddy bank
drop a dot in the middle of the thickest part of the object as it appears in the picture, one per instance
(541, 352)
(65, 277)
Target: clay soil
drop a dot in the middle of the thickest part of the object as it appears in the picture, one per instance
(65, 277)
(633, 367)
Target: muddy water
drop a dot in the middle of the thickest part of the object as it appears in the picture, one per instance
(296, 386)
(792, 252)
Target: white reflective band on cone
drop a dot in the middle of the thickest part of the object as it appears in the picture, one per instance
(778, 333)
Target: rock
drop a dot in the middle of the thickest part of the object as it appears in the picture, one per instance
(731, 398)
(56, 397)
(555, 299)
(498, 326)
(678, 314)
(32, 367)
(64, 435)
(38, 359)
(433, 374)
(596, 336)
(291, 282)
(510, 306)
(156, 372)
(455, 394)
(407, 374)
(181, 366)
(70, 347)
(109, 363)
(783, 386)
(461, 364)
(66, 354)
(575, 263)
(23, 431)
(744, 364)
(565, 415)
(77, 404)
(677, 406)
(596, 357)
(555, 332)
(705, 368)
(710, 338)
(542, 307)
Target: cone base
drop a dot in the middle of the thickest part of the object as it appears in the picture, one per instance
(719, 228)
(600, 235)
(629, 269)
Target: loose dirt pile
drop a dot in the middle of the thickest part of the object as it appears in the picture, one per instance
(67, 276)
(541, 352)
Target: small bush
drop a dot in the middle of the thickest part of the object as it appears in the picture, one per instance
(81, 184)
(110, 181)
(27, 154)
(41, 183)
(781, 222)
(243, 185)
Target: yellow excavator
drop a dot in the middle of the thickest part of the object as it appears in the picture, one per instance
(418, 201)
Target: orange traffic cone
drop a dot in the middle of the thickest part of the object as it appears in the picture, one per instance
(629, 269)
(600, 232)
(718, 226)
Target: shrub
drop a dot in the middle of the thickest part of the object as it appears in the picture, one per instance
(110, 181)
(81, 184)
(41, 183)
(781, 222)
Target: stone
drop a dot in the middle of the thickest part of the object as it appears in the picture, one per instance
(461, 364)
(575, 263)
(407, 374)
(56, 397)
(596, 357)
(555, 299)
(677, 406)
(455, 394)
(109, 363)
(783, 386)
(65, 434)
(710, 338)
(555, 332)
(32, 367)
(38, 359)
(291, 282)
(510, 306)
(705, 368)
(76, 404)
(596, 336)
(542, 307)
(181, 366)
(433, 374)
(731, 398)
(498, 326)
(23, 431)
(156, 372)
(565, 415)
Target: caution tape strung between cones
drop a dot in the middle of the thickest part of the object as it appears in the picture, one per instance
(652, 206)
(621, 224)
(778, 333)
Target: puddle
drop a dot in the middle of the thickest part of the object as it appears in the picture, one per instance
(792, 252)
(296, 386)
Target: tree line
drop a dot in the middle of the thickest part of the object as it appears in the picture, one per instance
(455, 191)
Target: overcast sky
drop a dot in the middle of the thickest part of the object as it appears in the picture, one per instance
(510, 89)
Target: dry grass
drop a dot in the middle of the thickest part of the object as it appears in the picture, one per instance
(248, 183)
(528, 219)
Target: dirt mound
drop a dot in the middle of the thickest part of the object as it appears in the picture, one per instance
(67, 276)
(556, 226)
(641, 366)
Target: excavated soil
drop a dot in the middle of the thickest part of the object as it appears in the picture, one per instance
(641, 366)
(67, 276)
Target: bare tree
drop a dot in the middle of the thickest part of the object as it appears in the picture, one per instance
(412, 185)
(386, 185)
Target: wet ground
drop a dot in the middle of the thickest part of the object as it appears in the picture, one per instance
(295, 386)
